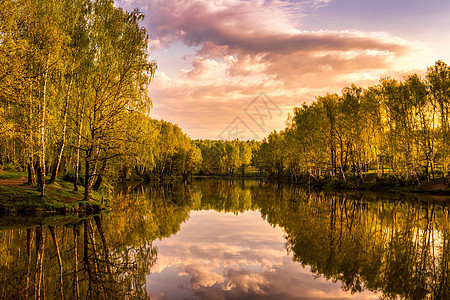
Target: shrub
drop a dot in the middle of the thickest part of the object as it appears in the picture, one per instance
(12, 167)
(70, 177)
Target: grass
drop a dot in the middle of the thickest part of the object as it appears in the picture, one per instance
(19, 198)
(12, 175)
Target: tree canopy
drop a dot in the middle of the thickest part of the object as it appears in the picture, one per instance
(395, 128)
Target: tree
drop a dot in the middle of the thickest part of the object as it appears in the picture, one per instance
(438, 78)
(119, 73)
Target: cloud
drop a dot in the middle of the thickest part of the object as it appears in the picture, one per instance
(234, 257)
(245, 47)
(249, 27)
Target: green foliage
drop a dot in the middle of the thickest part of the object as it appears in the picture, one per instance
(400, 128)
(12, 174)
(74, 76)
(59, 198)
(74, 79)
(12, 167)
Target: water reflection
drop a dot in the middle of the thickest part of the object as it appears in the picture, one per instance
(72, 261)
(399, 248)
(208, 240)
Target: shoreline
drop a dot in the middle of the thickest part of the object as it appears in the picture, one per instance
(21, 199)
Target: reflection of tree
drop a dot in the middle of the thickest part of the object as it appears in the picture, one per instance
(109, 271)
(399, 249)
(103, 272)
(151, 212)
(364, 241)
(39, 269)
(100, 257)
(58, 255)
(225, 196)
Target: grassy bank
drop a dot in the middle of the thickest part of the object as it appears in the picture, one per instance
(18, 197)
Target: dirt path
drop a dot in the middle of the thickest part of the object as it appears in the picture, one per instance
(13, 182)
(438, 187)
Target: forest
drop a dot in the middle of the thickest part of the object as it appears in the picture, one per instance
(74, 105)
(76, 126)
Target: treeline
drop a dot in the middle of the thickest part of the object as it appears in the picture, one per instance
(172, 154)
(221, 157)
(398, 130)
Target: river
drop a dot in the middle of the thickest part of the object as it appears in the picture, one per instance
(222, 239)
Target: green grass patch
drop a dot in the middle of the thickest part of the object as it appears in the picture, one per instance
(12, 175)
(59, 198)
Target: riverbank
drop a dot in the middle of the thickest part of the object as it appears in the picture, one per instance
(384, 184)
(19, 197)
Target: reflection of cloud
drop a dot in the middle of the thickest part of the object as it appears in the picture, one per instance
(245, 47)
(223, 256)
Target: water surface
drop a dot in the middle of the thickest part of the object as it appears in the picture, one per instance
(219, 239)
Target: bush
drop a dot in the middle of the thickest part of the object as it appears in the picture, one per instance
(12, 167)
(70, 177)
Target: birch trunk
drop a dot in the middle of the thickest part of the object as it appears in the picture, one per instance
(31, 172)
(63, 140)
(77, 166)
(90, 175)
(42, 128)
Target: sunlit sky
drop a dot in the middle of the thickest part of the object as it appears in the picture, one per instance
(235, 69)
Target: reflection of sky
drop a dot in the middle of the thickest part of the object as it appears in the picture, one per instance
(223, 256)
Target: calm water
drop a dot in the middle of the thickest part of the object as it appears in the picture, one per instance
(216, 239)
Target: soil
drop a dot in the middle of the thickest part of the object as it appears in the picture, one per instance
(15, 182)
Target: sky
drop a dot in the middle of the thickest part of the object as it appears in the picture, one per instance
(235, 257)
(236, 68)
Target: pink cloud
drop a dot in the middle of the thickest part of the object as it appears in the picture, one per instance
(247, 27)
(245, 47)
